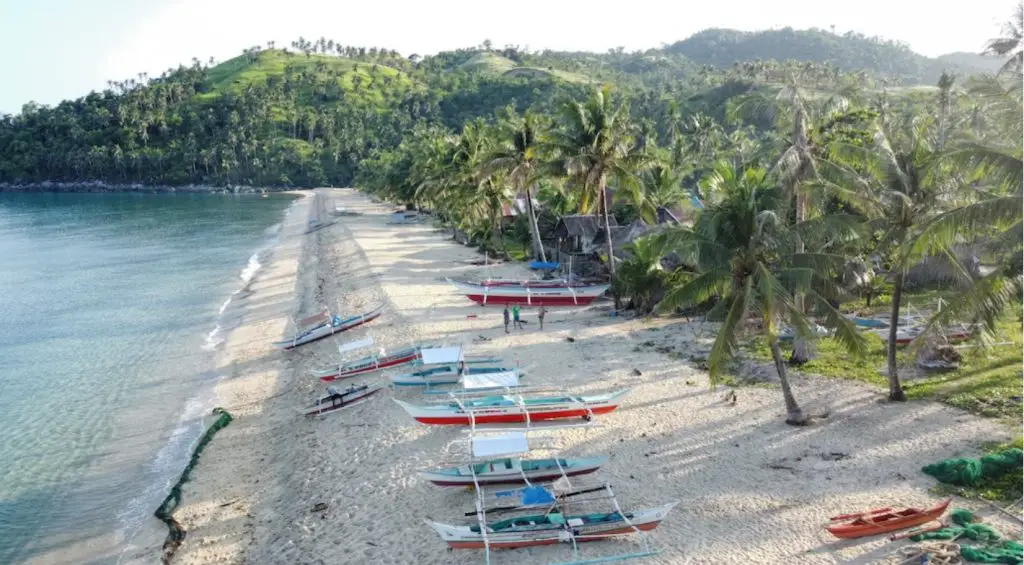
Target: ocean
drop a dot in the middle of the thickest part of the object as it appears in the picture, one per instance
(112, 310)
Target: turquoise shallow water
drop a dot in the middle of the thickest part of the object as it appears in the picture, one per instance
(111, 311)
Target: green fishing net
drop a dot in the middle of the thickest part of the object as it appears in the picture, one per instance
(992, 547)
(176, 533)
(970, 472)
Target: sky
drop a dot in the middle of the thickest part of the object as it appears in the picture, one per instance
(60, 49)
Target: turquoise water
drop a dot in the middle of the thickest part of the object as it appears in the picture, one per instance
(112, 308)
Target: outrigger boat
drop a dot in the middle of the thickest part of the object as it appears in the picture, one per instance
(337, 399)
(513, 408)
(550, 528)
(530, 293)
(513, 470)
(419, 355)
(335, 324)
(906, 335)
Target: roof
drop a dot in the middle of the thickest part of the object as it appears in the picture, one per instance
(581, 226)
(622, 235)
(512, 443)
(440, 355)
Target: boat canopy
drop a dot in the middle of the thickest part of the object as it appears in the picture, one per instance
(440, 355)
(504, 444)
(472, 380)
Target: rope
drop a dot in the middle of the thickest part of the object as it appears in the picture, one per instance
(932, 552)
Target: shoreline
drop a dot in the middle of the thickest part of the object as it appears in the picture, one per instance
(735, 468)
(101, 187)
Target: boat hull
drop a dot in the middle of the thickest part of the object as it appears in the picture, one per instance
(508, 479)
(464, 538)
(512, 413)
(322, 406)
(535, 300)
(885, 522)
(495, 293)
(355, 370)
(328, 330)
(514, 418)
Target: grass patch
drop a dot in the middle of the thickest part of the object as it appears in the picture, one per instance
(1004, 489)
(988, 382)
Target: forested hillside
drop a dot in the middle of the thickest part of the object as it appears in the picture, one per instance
(848, 52)
(308, 114)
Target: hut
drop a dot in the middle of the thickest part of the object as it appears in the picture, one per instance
(578, 231)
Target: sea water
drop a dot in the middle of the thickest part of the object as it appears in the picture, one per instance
(112, 309)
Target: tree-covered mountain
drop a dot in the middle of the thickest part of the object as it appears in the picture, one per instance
(309, 114)
(849, 52)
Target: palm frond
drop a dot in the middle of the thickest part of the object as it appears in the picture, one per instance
(725, 344)
(982, 303)
(846, 332)
(974, 220)
(696, 291)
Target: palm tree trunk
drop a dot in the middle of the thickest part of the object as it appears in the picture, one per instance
(801, 346)
(607, 225)
(794, 414)
(538, 245)
(895, 389)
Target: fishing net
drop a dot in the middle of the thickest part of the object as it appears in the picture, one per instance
(992, 549)
(176, 533)
(970, 471)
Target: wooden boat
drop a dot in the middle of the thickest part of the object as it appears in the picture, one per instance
(441, 375)
(369, 364)
(530, 293)
(551, 528)
(337, 399)
(883, 520)
(337, 324)
(513, 409)
(512, 470)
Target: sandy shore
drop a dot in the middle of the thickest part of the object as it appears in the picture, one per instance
(750, 488)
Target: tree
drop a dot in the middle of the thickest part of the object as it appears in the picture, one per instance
(515, 155)
(900, 185)
(641, 275)
(592, 145)
(1011, 44)
(797, 167)
(742, 247)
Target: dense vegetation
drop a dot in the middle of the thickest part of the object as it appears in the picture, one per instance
(816, 191)
(308, 114)
(821, 181)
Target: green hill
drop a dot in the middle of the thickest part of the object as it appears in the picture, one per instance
(496, 65)
(849, 52)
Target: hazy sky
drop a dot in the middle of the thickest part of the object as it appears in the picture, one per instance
(57, 49)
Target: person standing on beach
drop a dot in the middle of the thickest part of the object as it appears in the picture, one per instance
(540, 316)
(505, 314)
(516, 322)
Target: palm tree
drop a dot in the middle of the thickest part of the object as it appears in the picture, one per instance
(594, 144)
(1011, 44)
(899, 184)
(515, 154)
(792, 109)
(742, 248)
(641, 274)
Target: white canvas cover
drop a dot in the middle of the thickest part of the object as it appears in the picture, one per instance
(358, 344)
(489, 380)
(504, 444)
(441, 355)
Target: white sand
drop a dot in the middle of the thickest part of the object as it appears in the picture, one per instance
(751, 489)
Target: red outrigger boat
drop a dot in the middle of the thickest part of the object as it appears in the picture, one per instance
(883, 520)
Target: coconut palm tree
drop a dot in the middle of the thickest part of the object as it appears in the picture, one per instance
(593, 144)
(515, 154)
(793, 109)
(742, 247)
(641, 274)
(900, 185)
(1011, 44)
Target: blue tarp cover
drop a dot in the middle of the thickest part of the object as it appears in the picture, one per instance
(542, 265)
(537, 495)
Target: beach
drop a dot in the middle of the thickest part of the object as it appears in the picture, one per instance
(750, 488)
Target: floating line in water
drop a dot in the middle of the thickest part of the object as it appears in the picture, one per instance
(165, 513)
